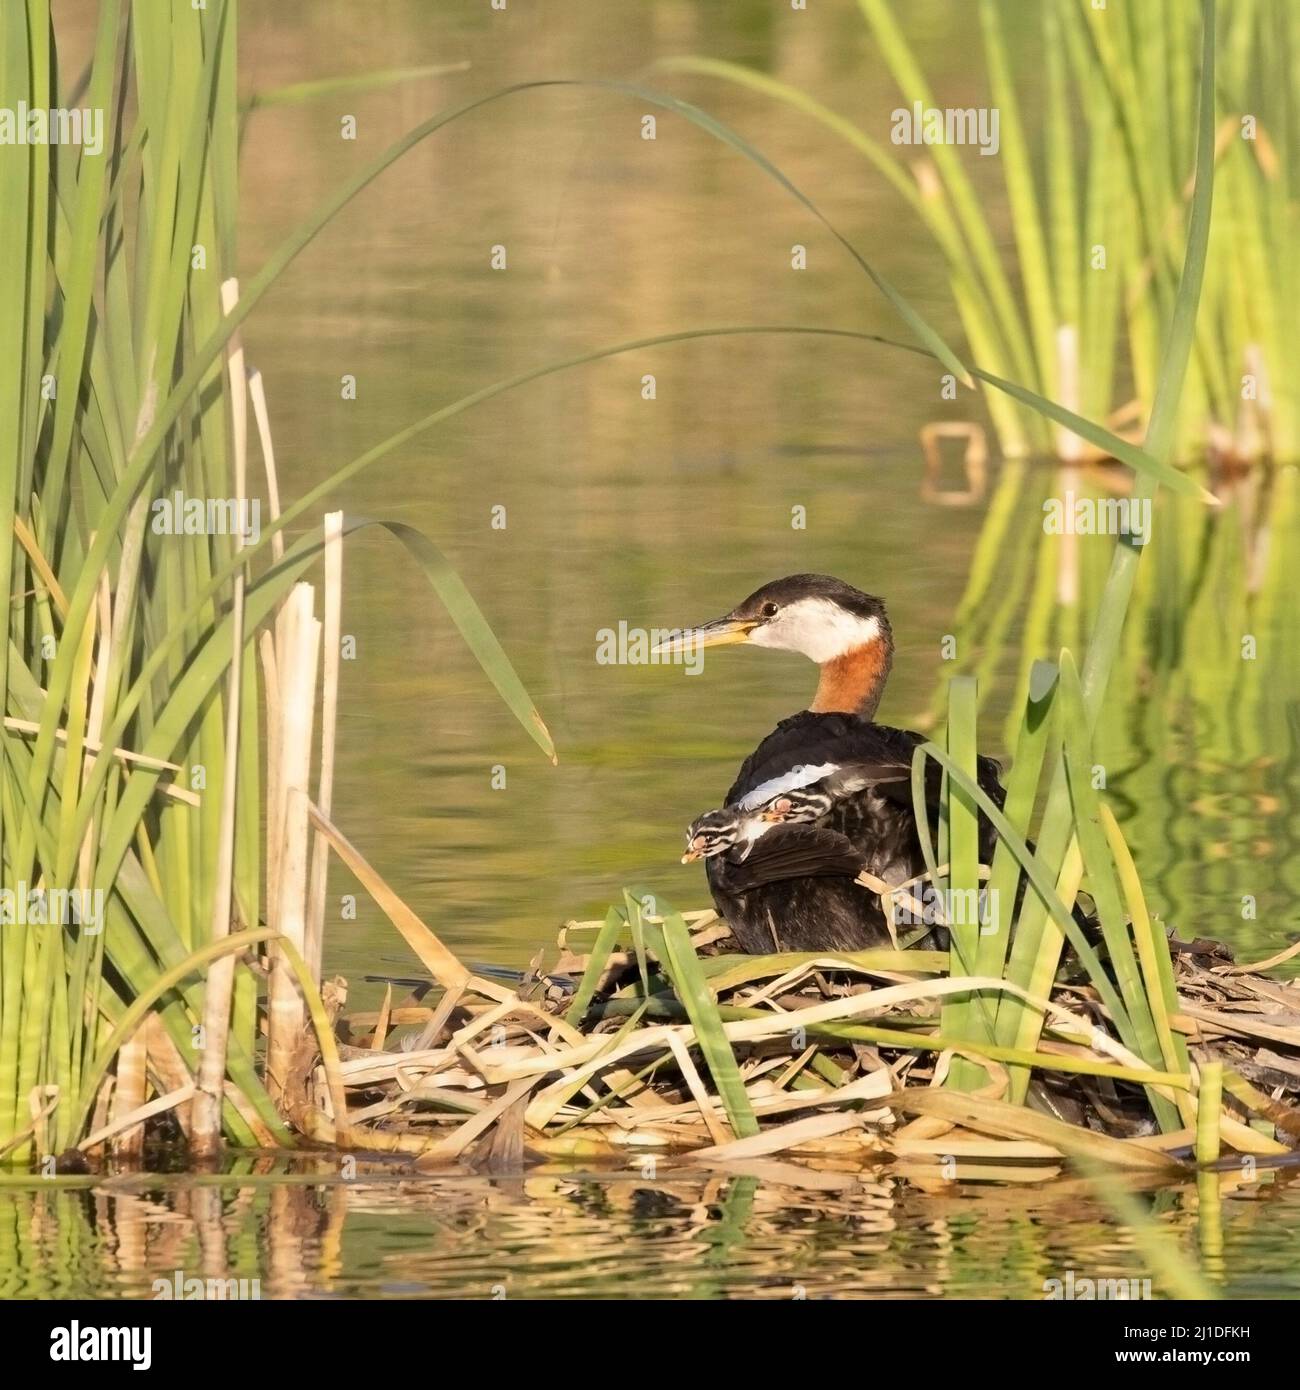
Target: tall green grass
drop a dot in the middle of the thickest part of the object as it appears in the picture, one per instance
(125, 727)
(1071, 823)
(1097, 205)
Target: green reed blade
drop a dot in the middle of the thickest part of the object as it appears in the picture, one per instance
(1026, 221)
(1035, 869)
(636, 925)
(964, 1015)
(926, 200)
(911, 82)
(14, 211)
(296, 93)
(474, 629)
(1150, 468)
(1100, 869)
(606, 938)
(1021, 794)
(1105, 639)
(1153, 954)
(143, 1002)
(1064, 220)
(76, 288)
(683, 967)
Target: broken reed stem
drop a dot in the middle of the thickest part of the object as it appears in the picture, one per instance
(23, 535)
(1209, 1102)
(257, 393)
(129, 1095)
(205, 1120)
(158, 1106)
(168, 1070)
(328, 726)
(90, 745)
(440, 962)
(41, 1104)
(298, 648)
(1069, 450)
(274, 806)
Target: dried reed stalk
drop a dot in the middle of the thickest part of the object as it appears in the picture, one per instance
(205, 1121)
(298, 635)
(328, 728)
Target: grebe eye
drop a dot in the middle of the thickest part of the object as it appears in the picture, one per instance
(770, 610)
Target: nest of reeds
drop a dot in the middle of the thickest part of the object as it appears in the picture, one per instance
(678, 1046)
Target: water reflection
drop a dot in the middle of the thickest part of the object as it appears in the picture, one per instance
(571, 1235)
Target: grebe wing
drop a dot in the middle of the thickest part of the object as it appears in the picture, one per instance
(793, 851)
(822, 743)
(843, 755)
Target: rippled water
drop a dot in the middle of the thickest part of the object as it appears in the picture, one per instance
(657, 513)
(555, 1235)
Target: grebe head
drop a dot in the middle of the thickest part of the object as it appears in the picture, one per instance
(712, 833)
(845, 631)
(800, 806)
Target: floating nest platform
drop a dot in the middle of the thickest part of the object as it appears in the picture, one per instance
(681, 1050)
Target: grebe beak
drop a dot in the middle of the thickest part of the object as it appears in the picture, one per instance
(694, 851)
(721, 632)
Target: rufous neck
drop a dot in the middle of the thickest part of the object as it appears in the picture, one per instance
(854, 681)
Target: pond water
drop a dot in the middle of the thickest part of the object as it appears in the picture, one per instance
(655, 513)
(579, 1235)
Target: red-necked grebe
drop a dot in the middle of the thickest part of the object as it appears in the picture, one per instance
(827, 794)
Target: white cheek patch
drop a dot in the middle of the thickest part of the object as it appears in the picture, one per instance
(821, 630)
(794, 780)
